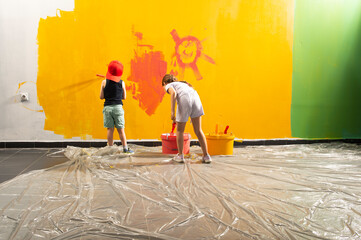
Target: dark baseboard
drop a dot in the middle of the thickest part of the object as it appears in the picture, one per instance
(64, 144)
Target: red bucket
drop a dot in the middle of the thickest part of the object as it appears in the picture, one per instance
(169, 143)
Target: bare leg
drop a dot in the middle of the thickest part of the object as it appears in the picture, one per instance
(122, 137)
(180, 133)
(110, 132)
(200, 135)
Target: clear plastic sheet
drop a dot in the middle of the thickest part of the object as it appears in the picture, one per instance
(261, 192)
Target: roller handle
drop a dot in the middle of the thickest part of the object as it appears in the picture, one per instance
(225, 130)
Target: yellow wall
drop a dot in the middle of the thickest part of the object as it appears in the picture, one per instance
(245, 67)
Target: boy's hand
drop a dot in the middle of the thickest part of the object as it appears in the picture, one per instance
(172, 117)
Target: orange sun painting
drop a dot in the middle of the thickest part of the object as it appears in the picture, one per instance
(187, 52)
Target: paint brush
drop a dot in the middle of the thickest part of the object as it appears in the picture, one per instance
(99, 75)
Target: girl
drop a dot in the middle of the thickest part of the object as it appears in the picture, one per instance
(188, 105)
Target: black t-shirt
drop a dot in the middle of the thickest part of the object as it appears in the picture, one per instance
(113, 93)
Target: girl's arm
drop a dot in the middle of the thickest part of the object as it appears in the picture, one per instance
(173, 98)
(102, 89)
(124, 91)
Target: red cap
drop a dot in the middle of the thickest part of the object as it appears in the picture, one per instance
(115, 71)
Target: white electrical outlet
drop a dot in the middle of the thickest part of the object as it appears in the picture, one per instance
(24, 96)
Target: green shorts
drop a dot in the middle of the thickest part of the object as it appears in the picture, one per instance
(113, 116)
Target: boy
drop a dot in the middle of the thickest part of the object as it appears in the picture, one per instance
(113, 91)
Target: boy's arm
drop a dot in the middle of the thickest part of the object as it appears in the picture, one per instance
(173, 97)
(102, 89)
(124, 91)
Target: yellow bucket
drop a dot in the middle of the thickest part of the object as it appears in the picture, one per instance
(220, 144)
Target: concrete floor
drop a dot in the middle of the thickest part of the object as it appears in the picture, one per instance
(16, 161)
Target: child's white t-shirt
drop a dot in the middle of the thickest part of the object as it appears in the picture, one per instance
(188, 106)
(180, 88)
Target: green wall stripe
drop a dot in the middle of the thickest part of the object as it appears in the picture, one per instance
(326, 82)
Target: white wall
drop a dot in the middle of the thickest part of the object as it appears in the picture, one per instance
(19, 21)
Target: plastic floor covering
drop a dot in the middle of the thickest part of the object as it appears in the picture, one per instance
(261, 192)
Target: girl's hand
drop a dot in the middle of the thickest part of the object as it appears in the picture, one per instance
(172, 117)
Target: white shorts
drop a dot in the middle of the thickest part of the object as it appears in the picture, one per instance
(189, 105)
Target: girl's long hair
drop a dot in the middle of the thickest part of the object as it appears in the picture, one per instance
(168, 78)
